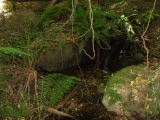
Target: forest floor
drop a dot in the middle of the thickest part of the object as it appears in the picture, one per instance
(84, 101)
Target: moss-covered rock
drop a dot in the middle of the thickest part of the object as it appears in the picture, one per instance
(133, 90)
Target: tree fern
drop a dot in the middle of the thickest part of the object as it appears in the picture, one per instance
(52, 87)
(14, 51)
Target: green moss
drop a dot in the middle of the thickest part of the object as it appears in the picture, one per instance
(120, 77)
(126, 74)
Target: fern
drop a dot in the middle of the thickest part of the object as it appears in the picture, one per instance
(50, 13)
(14, 51)
(52, 87)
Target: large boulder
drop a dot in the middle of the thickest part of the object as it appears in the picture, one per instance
(59, 59)
(133, 91)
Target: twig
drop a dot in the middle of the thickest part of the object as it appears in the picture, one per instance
(82, 76)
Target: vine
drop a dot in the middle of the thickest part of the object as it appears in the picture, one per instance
(144, 33)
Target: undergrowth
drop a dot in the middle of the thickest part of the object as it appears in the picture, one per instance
(24, 34)
(21, 104)
(52, 87)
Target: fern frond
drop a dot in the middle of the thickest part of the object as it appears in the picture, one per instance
(52, 87)
(14, 51)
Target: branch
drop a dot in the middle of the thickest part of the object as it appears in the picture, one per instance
(60, 113)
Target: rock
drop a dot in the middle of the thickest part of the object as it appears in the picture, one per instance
(59, 59)
(133, 91)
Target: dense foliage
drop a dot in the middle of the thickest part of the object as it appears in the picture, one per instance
(29, 29)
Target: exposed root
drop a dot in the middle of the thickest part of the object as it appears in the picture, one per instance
(144, 33)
